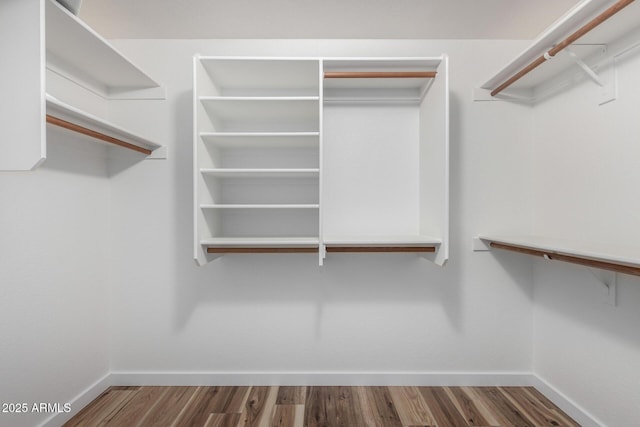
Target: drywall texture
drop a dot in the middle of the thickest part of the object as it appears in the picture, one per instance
(379, 313)
(586, 179)
(54, 260)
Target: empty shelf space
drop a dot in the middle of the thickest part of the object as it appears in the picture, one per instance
(78, 52)
(295, 114)
(261, 173)
(229, 76)
(619, 258)
(261, 139)
(71, 118)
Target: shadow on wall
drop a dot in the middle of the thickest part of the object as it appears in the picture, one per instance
(578, 294)
(371, 279)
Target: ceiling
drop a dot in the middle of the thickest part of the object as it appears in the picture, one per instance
(320, 19)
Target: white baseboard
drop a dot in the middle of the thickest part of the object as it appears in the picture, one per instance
(327, 378)
(575, 411)
(80, 401)
(321, 378)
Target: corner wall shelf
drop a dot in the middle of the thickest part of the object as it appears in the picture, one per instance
(617, 258)
(57, 66)
(77, 52)
(581, 44)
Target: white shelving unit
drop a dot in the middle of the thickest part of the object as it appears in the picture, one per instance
(257, 155)
(45, 44)
(590, 56)
(292, 157)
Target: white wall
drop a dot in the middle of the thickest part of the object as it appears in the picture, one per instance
(586, 186)
(54, 287)
(358, 313)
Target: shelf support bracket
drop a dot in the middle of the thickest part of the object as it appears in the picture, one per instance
(587, 70)
(609, 279)
(606, 79)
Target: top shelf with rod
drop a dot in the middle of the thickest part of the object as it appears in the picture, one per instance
(584, 40)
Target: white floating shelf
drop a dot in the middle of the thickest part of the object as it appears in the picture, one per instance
(620, 258)
(262, 173)
(76, 51)
(88, 121)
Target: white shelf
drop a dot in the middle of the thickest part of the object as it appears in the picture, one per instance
(242, 76)
(261, 242)
(251, 113)
(76, 51)
(81, 118)
(259, 206)
(589, 48)
(407, 240)
(617, 255)
(262, 173)
(261, 139)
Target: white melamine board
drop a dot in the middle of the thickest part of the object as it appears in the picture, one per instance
(259, 76)
(622, 254)
(78, 52)
(588, 47)
(22, 137)
(262, 113)
(403, 240)
(370, 173)
(260, 242)
(434, 163)
(68, 113)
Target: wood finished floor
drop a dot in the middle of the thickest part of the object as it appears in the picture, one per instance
(322, 406)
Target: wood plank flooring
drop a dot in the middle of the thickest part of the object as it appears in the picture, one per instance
(322, 407)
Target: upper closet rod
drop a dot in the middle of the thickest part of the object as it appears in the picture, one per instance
(379, 74)
(97, 135)
(563, 44)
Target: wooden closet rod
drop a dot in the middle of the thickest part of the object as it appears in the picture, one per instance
(618, 6)
(380, 74)
(376, 249)
(604, 265)
(97, 135)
